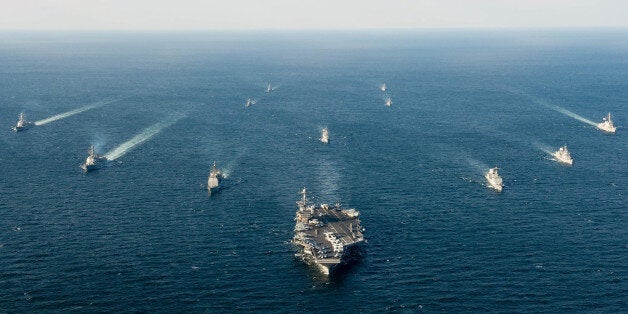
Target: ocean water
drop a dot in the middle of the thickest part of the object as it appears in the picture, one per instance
(142, 234)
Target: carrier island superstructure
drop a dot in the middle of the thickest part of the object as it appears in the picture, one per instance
(327, 236)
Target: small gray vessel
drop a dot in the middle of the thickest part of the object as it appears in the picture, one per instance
(215, 177)
(22, 124)
(494, 180)
(93, 161)
(607, 124)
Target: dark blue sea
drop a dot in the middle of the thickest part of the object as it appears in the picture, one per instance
(143, 235)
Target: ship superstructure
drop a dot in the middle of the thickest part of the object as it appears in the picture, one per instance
(327, 236)
(607, 124)
(214, 179)
(562, 155)
(93, 161)
(325, 136)
(494, 180)
(22, 124)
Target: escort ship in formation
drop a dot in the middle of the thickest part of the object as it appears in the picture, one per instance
(607, 124)
(562, 155)
(494, 180)
(325, 136)
(93, 161)
(214, 179)
(22, 124)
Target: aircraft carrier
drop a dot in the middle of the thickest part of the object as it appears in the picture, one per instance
(327, 236)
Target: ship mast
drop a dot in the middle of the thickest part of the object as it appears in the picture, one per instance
(303, 202)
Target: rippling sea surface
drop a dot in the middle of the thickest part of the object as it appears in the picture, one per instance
(142, 234)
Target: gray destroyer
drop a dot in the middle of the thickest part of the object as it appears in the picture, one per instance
(22, 124)
(93, 160)
(327, 236)
(214, 179)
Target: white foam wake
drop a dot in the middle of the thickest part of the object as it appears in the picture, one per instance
(73, 112)
(480, 167)
(571, 114)
(553, 107)
(146, 134)
(543, 147)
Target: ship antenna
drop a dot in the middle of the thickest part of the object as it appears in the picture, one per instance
(303, 202)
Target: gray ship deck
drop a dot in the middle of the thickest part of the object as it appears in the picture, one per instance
(327, 233)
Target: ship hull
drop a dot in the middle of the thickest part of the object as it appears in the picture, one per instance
(20, 128)
(213, 185)
(95, 166)
(331, 266)
(213, 190)
(568, 162)
(493, 185)
(607, 129)
(327, 269)
(328, 237)
(88, 168)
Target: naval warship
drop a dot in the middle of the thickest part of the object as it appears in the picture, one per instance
(22, 124)
(327, 236)
(215, 177)
(494, 180)
(562, 155)
(607, 124)
(93, 160)
(325, 136)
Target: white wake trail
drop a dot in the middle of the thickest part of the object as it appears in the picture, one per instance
(543, 147)
(553, 107)
(73, 112)
(571, 114)
(479, 167)
(147, 134)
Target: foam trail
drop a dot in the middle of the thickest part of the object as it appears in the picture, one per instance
(147, 134)
(545, 148)
(226, 171)
(571, 114)
(553, 107)
(73, 112)
(479, 170)
(231, 165)
(478, 166)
